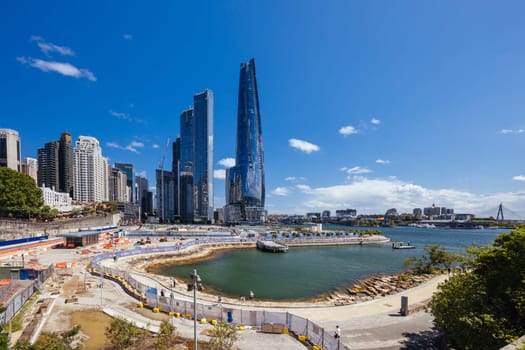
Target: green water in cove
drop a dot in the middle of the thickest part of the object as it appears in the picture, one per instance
(310, 272)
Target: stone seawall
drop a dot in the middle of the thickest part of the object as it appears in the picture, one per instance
(14, 229)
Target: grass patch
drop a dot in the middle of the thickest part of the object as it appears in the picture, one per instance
(17, 320)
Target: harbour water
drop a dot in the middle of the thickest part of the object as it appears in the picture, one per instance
(309, 272)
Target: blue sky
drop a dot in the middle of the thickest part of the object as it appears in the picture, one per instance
(364, 104)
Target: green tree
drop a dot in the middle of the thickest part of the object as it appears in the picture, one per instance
(123, 334)
(23, 344)
(485, 307)
(19, 195)
(4, 342)
(436, 257)
(222, 337)
(68, 340)
(166, 336)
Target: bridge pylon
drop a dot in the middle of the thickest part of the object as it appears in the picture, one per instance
(500, 213)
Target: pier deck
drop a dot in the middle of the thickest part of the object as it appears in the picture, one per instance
(271, 246)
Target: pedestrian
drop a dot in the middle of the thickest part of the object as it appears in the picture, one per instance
(251, 294)
(337, 333)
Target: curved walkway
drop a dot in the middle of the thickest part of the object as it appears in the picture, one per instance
(375, 324)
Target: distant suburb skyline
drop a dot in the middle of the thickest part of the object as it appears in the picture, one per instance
(364, 105)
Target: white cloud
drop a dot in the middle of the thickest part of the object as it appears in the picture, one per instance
(382, 161)
(219, 174)
(131, 148)
(126, 116)
(295, 178)
(375, 121)
(141, 173)
(128, 36)
(227, 162)
(376, 195)
(304, 188)
(347, 130)
(281, 191)
(356, 170)
(63, 68)
(120, 115)
(303, 146)
(155, 145)
(137, 144)
(47, 47)
(519, 178)
(511, 131)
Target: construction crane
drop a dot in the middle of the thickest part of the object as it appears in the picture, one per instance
(161, 167)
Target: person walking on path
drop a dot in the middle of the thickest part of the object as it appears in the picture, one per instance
(337, 333)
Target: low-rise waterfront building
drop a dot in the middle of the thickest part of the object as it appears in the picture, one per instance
(56, 200)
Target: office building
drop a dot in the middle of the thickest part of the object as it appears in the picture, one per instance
(195, 169)
(142, 189)
(129, 170)
(30, 167)
(245, 187)
(165, 195)
(175, 170)
(10, 149)
(118, 186)
(91, 171)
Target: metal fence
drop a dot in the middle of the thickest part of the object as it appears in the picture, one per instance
(205, 309)
(15, 303)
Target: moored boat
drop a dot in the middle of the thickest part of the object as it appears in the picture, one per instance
(402, 245)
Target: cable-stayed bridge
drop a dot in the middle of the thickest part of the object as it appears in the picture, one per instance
(503, 213)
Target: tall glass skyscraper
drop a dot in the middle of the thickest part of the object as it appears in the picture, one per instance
(245, 189)
(196, 160)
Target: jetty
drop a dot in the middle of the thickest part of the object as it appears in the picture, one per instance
(271, 246)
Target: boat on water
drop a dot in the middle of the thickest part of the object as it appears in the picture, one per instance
(402, 245)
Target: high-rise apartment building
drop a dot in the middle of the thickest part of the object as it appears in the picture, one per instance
(245, 188)
(10, 149)
(129, 170)
(66, 176)
(91, 171)
(48, 165)
(55, 165)
(30, 167)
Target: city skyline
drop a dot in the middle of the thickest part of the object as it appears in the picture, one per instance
(364, 105)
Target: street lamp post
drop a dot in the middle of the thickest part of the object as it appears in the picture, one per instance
(197, 283)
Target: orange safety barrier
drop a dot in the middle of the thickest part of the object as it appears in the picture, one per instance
(5, 282)
(61, 265)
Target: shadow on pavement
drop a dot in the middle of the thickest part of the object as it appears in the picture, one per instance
(429, 340)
